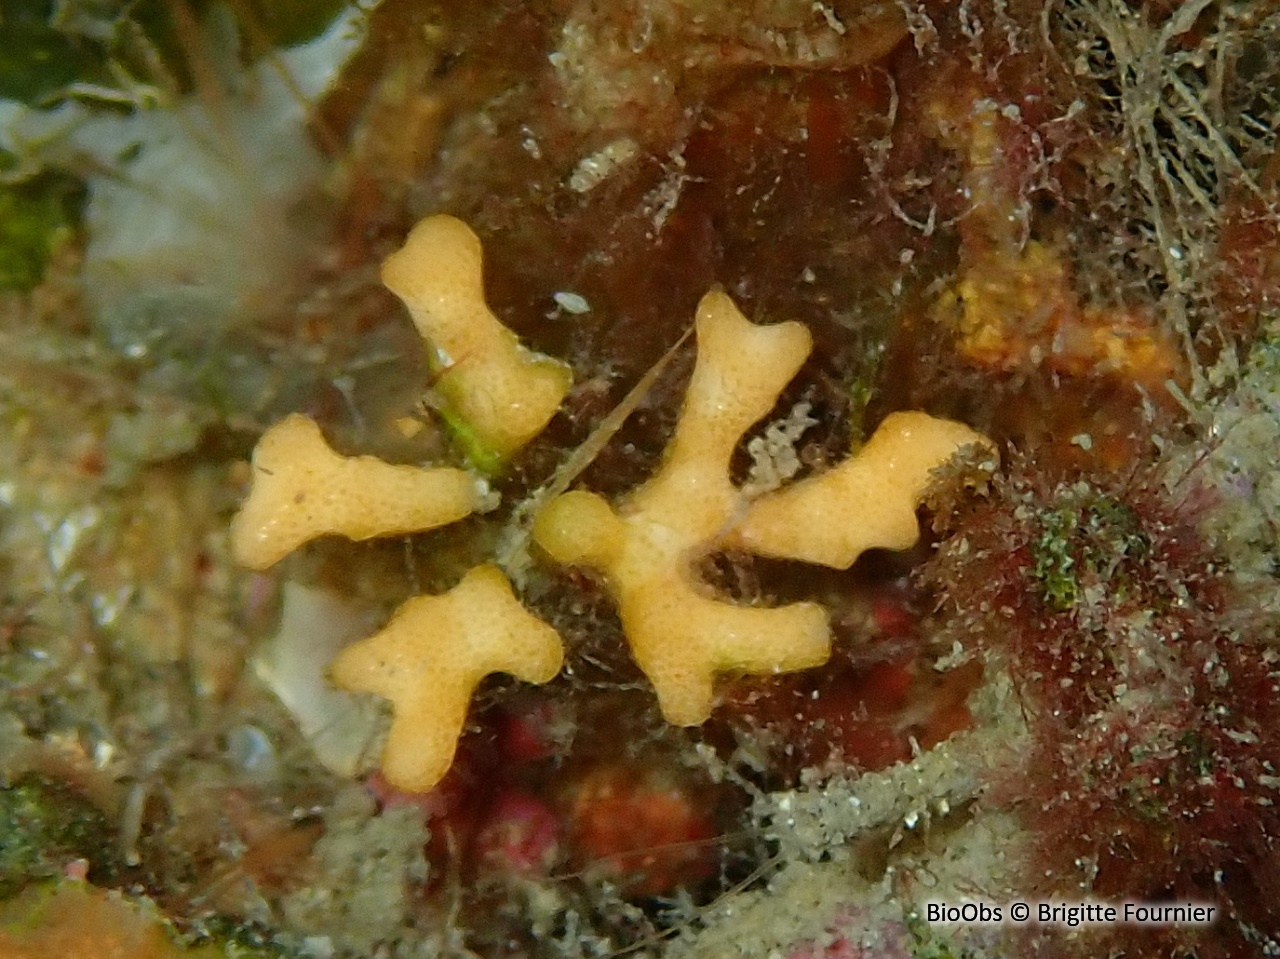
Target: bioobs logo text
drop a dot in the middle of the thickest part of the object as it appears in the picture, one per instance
(969, 913)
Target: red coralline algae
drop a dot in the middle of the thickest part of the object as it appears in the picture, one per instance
(520, 836)
(863, 716)
(643, 830)
(533, 727)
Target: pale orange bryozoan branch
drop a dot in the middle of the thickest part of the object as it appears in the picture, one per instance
(436, 649)
(497, 391)
(302, 489)
(681, 636)
(884, 483)
(429, 659)
(648, 545)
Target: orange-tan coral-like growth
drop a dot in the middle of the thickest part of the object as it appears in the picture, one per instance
(496, 390)
(429, 659)
(867, 502)
(680, 636)
(302, 489)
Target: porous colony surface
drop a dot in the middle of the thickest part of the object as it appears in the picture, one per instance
(436, 649)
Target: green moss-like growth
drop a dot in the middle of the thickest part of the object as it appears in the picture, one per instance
(478, 454)
(1091, 540)
(1054, 567)
(35, 217)
(46, 47)
(287, 23)
(149, 35)
(36, 59)
(45, 825)
(1114, 541)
